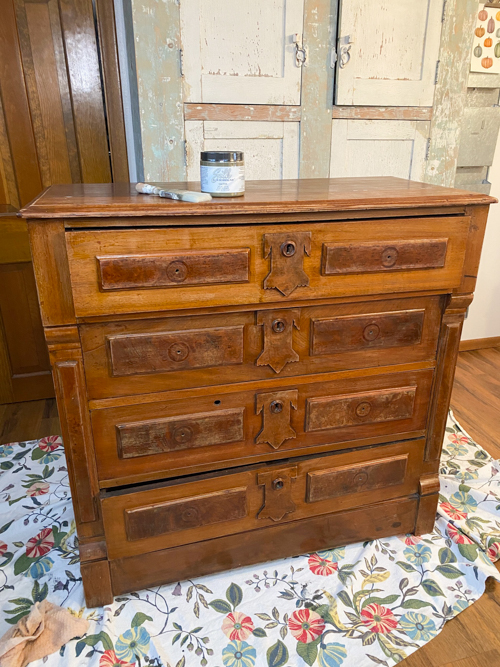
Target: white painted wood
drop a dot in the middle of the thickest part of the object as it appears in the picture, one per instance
(240, 52)
(379, 148)
(394, 47)
(271, 148)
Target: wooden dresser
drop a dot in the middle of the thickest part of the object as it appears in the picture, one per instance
(250, 378)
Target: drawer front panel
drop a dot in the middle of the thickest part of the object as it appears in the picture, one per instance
(172, 269)
(360, 408)
(191, 512)
(334, 482)
(203, 507)
(136, 443)
(367, 332)
(389, 256)
(122, 271)
(173, 434)
(133, 354)
(174, 353)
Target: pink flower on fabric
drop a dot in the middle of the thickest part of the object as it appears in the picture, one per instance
(109, 659)
(38, 489)
(3, 548)
(459, 439)
(50, 443)
(306, 625)
(452, 512)
(378, 619)
(321, 566)
(41, 544)
(457, 536)
(410, 540)
(494, 551)
(237, 626)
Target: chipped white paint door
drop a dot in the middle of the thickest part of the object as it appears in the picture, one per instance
(271, 148)
(379, 148)
(388, 52)
(241, 51)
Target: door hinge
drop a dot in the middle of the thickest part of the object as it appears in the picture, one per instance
(333, 58)
(300, 50)
(181, 62)
(344, 51)
(428, 148)
(437, 72)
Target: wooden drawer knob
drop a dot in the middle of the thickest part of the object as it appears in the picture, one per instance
(371, 332)
(288, 248)
(177, 272)
(359, 479)
(278, 484)
(389, 257)
(178, 351)
(278, 326)
(182, 434)
(363, 409)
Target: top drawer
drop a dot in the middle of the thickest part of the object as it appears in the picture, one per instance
(141, 270)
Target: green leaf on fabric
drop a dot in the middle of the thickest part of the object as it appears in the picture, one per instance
(6, 465)
(93, 640)
(221, 606)
(449, 571)
(446, 556)
(405, 566)
(345, 599)
(23, 563)
(277, 655)
(234, 594)
(259, 632)
(381, 601)
(308, 652)
(432, 588)
(37, 454)
(415, 604)
(139, 619)
(468, 551)
(38, 594)
(6, 526)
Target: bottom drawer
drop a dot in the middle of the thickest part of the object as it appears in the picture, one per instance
(203, 507)
(393, 517)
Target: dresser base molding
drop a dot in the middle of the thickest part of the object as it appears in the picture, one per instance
(263, 545)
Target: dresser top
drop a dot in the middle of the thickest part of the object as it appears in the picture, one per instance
(111, 200)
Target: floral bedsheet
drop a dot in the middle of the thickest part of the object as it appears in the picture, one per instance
(364, 604)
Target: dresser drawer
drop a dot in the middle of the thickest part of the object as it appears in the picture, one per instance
(174, 353)
(154, 440)
(120, 271)
(209, 506)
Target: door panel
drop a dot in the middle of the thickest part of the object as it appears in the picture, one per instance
(241, 52)
(379, 148)
(271, 148)
(390, 52)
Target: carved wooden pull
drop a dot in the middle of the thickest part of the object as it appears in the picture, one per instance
(278, 329)
(276, 415)
(277, 493)
(287, 260)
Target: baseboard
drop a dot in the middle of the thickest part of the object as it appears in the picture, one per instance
(479, 343)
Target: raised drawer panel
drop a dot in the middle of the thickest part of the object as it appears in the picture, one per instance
(177, 433)
(147, 441)
(173, 269)
(335, 482)
(202, 507)
(367, 332)
(133, 354)
(204, 350)
(369, 407)
(389, 256)
(191, 512)
(141, 270)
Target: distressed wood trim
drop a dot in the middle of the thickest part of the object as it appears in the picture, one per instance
(320, 21)
(451, 91)
(479, 343)
(269, 112)
(108, 49)
(449, 341)
(159, 82)
(477, 228)
(382, 113)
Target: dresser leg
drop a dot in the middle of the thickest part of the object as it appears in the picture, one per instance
(427, 506)
(96, 583)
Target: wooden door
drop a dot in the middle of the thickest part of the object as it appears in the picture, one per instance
(379, 148)
(388, 52)
(277, 141)
(55, 74)
(235, 51)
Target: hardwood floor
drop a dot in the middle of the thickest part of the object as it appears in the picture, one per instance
(472, 639)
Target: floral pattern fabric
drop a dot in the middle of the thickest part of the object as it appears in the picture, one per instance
(355, 606)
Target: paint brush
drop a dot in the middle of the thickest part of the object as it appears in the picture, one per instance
(181, 195)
